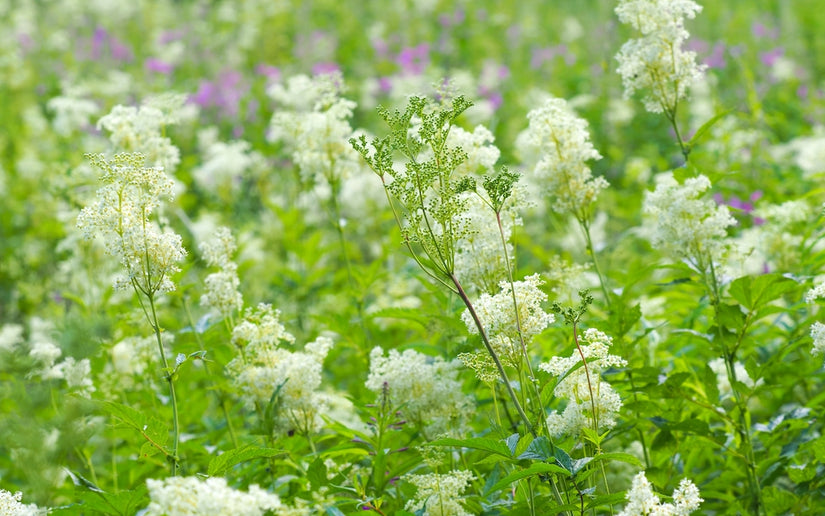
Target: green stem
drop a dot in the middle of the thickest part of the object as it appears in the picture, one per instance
(585, 225)
(169, 375)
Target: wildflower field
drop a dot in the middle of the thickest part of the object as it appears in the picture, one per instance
(442, 257)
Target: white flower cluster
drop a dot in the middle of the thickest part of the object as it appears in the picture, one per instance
(722, 380)
(576, 387)
(656, 63)
(141, 129)
(560, 142)
(817, 329)
(192, 496)
(439, 495)
(11, 505)
(683, 224)
(71, 112)
(478, 145)
(806, 152)
(312, 122)
(641, 501)
(263, 367)
(224, 164)
(498, 316)
(121, 216)
(480, 261)
(222, 292)
(76, 373)
(427, 387)
(131, 358)
(778, 241)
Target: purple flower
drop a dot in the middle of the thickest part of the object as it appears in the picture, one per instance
(414, 60)
(716, 59)
(272, 73)
(769, 58)
(120, 51)
(156, 65)
(98, 40)
(325, 68)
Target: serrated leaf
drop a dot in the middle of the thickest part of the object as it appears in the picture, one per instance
(534, 469)
(539, 449)
(317, 474)
(563, 459)
(223, 462)
(475, 443)
(755, 292)
(512, 443)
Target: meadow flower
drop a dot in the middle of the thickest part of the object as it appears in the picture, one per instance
(590, 399)
(222, 293)
(818, 335)
(11, 505)
(264, 368)
(427, 387)
(193, 496)
(656, 63)
(224, 163)
(11, 335)
(641, 501)
(439, 494)
(560, 143)
(498, 316)
(71, 113)
(683, 224)
(121, 218)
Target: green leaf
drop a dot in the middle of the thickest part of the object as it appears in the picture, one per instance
(317, 474)
(709, 381)
(606, 500)
(539, 449)
(753, 292)
(151, 428)
(706, 127)
(476, 443)
(222, 463)
(512, 443)
(92, 498)
(535, 469)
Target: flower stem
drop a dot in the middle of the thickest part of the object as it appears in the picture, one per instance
(169, 376)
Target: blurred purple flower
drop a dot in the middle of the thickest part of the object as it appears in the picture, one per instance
(385, 84)
(542, 55)
(272, 73)
(153, 64)
(170, 36)
(716, 59)
(98, 41)
(414, 60)
(325, 68)
(759, 30)
(120, 51)
(224, 93)
(769, 58)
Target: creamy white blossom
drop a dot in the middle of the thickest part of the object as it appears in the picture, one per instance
(12, 505)
(656, 62)
(641, 501)
(193, 496)
(439, 494)
(222, 294)
(498, 316)
(121, 216)
(685, 225)
(427, 387)
(589, 398)
(559, 143)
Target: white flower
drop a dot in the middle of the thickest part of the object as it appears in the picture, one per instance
(583, 388)
(560, 143)
(656, 63)
(192, 496)
(10, 505)
(439, 495)
(427, 387)
(121, 217)
(641, 501)
(683, 224)
(222, 292)
(498, 316)
(818, 334)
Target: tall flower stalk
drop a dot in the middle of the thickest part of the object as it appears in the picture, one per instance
(122, 217)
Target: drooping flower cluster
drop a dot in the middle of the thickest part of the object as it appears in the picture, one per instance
(439, 495)
(192, 496)
(641, 501)
(590, 399)
(560, 142)
(683, 224)
(498, 316)
(263, 369)
(656, 63)
(11, 505)
(121, 217)
(311, 119)
(427, 387)
(222, 293)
